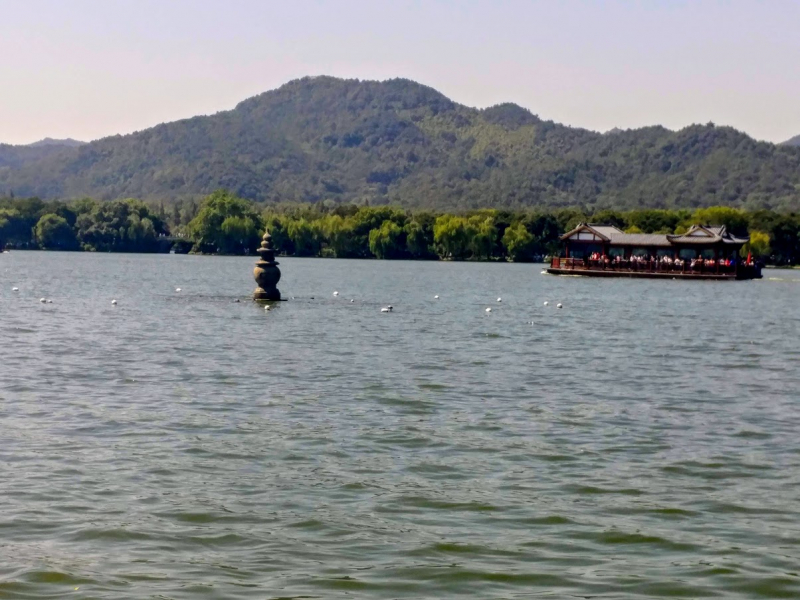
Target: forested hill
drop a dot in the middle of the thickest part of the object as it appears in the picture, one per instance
(53, 142)
(402, 143)
(795, 141)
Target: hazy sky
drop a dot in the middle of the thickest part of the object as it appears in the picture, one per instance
(91, 68)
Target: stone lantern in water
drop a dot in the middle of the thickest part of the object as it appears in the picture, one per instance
(267, 273)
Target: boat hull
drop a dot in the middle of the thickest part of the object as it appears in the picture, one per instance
(655, 275)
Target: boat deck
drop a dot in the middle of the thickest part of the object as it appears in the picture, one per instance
(651, 270)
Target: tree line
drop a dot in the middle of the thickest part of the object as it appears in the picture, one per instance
(224, 223)
(85, 224)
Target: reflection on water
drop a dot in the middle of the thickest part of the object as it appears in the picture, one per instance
(640, 442)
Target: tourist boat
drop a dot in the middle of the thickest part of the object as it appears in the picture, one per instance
(703, 252)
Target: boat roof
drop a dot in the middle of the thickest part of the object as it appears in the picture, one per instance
(707, 234)
(697, 234)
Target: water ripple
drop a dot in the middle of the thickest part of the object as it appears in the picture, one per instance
(639, 443)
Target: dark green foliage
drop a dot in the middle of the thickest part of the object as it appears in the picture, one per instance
(654, 220)
(54, 233)
(226, 224)
(519, 243)
(388, 241)
(396, 142)
(118, 226)
(18, 156)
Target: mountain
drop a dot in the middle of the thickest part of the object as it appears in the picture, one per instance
(51, 142)
(14, 157)
(795, 141)
(403, 143)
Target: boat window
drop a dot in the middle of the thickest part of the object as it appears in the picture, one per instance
(615, 252)
(665, 252)
(688, 253)
(642, 252)
(708, 253)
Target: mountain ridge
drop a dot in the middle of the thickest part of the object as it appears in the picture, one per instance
(401, 142)
(48, 141)
(795, 141)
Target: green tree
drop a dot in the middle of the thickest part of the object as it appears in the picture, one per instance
(117, 226)
(8, 224)
(759, 244)
(735, 220)
(785, 240)
(20, 217)
(54, 233)
(452, 236)
(305, 237)
(238, 235)
(569, 218)
(276, 226)
(387, 241)
(210, 232)
(653, 220)
(419, 239)
(482, 233)
(610, 217)
(338, 233)
(369, 218)
(518, 243)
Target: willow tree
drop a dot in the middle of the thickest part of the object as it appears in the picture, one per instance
(387, 241)
(225, 223)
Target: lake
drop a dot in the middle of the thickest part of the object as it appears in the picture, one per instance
(641, 442)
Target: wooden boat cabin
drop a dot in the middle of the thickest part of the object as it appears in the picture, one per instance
(703, 252)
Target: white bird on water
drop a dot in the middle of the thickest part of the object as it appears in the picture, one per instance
(499, 299)
(335, 293)
(488, 310)
(177, 289)
(387, 309)
(42, 300)
(49, 301)
(114, 302)
(546, 303)
(559, 305)
(436, 297)
(16, 289)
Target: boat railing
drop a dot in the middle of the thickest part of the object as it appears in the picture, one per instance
(709, 267)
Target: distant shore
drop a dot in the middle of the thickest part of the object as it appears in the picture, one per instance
(224, 223)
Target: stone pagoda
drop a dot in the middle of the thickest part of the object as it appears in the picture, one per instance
(267, 274)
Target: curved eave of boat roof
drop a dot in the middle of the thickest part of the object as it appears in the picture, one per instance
(586, 227)
(695, 240)
(711, 234)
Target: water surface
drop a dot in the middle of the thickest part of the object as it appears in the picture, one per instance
(641, 442)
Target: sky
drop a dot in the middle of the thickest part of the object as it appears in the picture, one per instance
(91, 68)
